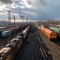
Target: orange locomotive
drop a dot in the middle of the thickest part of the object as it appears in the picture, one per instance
(50, 34)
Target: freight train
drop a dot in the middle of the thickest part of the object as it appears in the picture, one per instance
(47, 32)
(11, 49)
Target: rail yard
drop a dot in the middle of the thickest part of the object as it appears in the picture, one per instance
(30, 42)
(29, 29)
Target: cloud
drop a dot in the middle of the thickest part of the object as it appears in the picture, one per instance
(40, 9)
(5, 4)
(35, 9)
(2, 8)
(6, 1)
(21, 4)
(27, 4)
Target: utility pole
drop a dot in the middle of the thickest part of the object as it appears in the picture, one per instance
(22, 18)
(26, 20)
(19, 19)
(14, 21)
(9, 18)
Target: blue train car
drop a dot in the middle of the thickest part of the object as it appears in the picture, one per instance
(6, 33)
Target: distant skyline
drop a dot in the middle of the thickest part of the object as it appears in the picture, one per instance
(33, 9)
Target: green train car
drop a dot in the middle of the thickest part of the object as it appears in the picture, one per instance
(57, 30)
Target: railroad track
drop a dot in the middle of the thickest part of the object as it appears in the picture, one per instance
(53, 48)
(34, 48)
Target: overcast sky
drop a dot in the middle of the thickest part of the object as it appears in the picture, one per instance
(33, 9)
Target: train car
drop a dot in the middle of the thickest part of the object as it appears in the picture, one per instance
(10, 50)
(18, 41)
(6, 53)
(15, 44)
(24, 34)
(57, 30)
(50, 34)
(6, 33)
